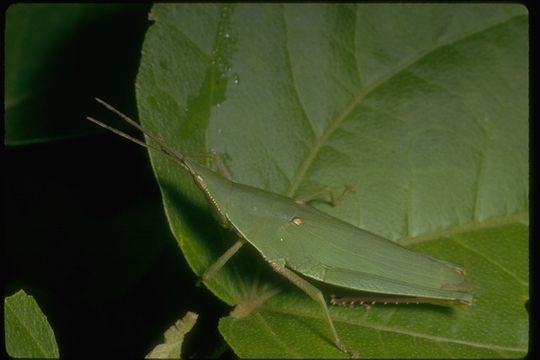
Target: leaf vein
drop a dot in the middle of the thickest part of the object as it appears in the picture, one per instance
(293, 78)
(492, 261)
(364, 92)
(516, 218)
(273, 334)
(405, 332)
(28, 330)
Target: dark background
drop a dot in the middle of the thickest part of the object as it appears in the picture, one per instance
(85, 230)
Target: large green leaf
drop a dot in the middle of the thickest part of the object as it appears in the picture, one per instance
(422, 108)
(28, 333)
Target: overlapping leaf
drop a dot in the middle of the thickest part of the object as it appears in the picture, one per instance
(28, 333)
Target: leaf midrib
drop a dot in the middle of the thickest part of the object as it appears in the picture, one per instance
(380, 328)
(334, 124)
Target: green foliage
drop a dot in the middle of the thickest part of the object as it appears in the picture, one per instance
(423, 109)
(58, 57)
(28, 333)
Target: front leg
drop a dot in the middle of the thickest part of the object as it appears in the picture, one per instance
(222, 260)
(334, 200)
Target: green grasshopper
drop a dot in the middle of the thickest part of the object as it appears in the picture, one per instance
(299, 241)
